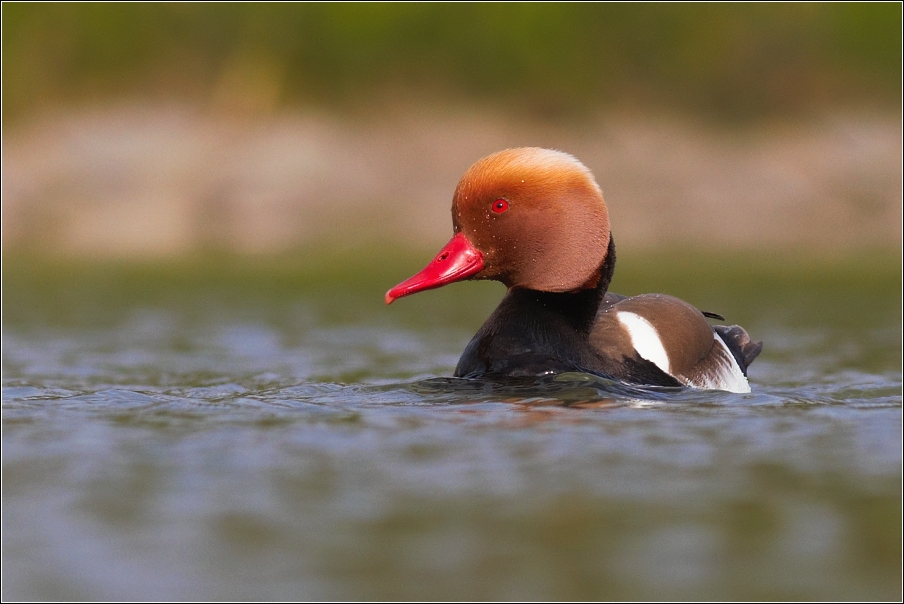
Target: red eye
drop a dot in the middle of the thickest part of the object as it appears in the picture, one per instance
(500, 206)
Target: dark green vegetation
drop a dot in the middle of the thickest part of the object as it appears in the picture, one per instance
(42, 290)
(549, 59)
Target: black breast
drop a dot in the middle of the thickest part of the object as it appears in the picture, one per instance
(529, 333)
(533, 332)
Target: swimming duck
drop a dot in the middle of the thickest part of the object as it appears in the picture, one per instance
(535, 220)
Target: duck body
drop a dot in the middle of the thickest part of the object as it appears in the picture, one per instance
(535, 219)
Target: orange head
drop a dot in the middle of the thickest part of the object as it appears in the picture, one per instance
(528, 217)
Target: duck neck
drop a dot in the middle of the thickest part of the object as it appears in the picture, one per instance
(607, 270)
(578, 308)
(533, 332)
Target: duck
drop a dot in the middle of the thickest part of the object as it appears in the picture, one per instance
(535, 220)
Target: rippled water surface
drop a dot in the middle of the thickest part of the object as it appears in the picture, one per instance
(235, 431)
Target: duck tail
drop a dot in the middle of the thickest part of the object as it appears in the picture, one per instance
(739, 343)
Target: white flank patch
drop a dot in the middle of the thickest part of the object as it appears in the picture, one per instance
(732, 378)
(726, 376)
(645, 339)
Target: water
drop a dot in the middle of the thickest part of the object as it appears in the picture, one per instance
(259, 430)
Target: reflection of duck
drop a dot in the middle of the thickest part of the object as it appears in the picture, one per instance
(535, 220)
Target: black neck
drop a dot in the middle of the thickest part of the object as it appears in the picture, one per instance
(577, 308)
(533, 332)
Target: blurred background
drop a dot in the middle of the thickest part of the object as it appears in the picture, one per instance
(205, 398)
(166, 130)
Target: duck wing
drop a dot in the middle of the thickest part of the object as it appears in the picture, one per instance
(673, 336)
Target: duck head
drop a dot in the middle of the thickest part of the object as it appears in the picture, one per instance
(530, 218)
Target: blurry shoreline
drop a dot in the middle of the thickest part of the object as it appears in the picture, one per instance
(134, 181)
